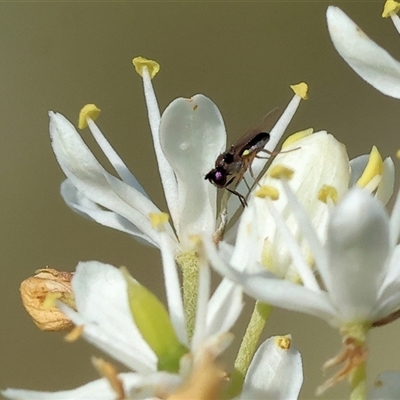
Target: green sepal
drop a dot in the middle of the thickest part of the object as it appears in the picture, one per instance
(154, 324)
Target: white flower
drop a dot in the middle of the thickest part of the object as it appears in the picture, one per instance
(276, 371)
(358, 266)
(374, 64)
(110, 321)
(187, 140)
(361, 246)
(319, 160)
(322, 171)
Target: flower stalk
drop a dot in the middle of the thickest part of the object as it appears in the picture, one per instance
(357, 381)
(248, 346)
(189, 266)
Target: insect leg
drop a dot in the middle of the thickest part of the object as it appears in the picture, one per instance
(275, 153)
(241, 197)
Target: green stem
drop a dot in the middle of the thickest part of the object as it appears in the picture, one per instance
(357, 380)
(188, 263)
(248, 347)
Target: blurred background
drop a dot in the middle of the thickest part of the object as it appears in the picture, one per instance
(243, 56)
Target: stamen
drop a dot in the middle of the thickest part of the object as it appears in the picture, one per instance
(74, 335)
(88, 111)
(108, 371)
(158, 219)
(301, 89)
(373, 168)
(307, 229)
(152, 66)
(267, 191)
(50, 300)
(280, 172)
(390, 7)
(302, 268)
(296, 137)
(328, 193)
(284, 342)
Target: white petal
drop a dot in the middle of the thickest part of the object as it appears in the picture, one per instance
(276, 133)
(192, 135)
(371, 62)
(357, 166)
(386, 185)
(249, 241)
(135, 386)
(167, 175)
(89, 209)
(90, 178)
(99, 390)
(102, 307)
(224, 307)
(115, 160)
(386, 386)
(274, 373)
(317, 160)
(395, 222)
(389, 292)
(304, 271)
(203, 295)
(277, 292)
(357, 246)
(173, 288)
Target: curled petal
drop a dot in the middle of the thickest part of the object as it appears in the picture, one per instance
(386, 185)
(90, 178)
(370, 61)
(89, 209)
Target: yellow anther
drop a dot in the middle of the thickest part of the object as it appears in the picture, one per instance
(195, 240)
(284, 342)
(74, 335)
(373, 168)
(267, 191)
(297, 136)
(109, 372)
(390, 7)
(280, 172)
(152, 66)
(398, 154)
(301, 89)
(158, 219)
(88, 111)
(50, 300)
(328, 192)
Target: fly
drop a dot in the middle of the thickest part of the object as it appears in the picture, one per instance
(231, 165)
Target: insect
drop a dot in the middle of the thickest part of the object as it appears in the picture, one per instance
(231, 165)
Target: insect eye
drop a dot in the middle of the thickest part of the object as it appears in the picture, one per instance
(228, 158)
(219, 177)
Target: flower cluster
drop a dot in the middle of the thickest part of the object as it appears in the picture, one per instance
(164, 347)
(314, 226)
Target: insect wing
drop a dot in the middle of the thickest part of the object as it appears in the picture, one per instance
(256, 134)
